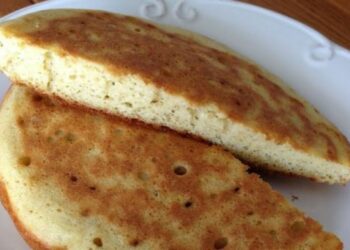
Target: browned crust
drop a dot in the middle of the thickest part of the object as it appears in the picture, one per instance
(33, 241)
(181, 216)
(259, 103)
(255, 167)
(252, 166)
(112, 117)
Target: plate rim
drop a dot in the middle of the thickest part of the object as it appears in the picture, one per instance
(323, 40)
(285, 20)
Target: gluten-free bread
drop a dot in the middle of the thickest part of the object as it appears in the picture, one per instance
(168, 77)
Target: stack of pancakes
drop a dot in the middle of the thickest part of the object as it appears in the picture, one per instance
(121, 134)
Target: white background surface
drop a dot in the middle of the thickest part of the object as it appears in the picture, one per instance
(304, 59)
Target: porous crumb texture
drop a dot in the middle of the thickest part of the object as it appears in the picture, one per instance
(173, 78)
(78, 180)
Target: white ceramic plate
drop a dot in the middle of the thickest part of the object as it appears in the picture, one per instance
(315, 67)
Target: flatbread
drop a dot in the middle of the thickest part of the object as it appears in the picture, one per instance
(75, 179)
(128, 67)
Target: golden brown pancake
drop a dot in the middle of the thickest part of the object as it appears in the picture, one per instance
(77, 179)
(128, 67)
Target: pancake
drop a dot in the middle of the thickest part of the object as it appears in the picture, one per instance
(168, 77)
(77, 179)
